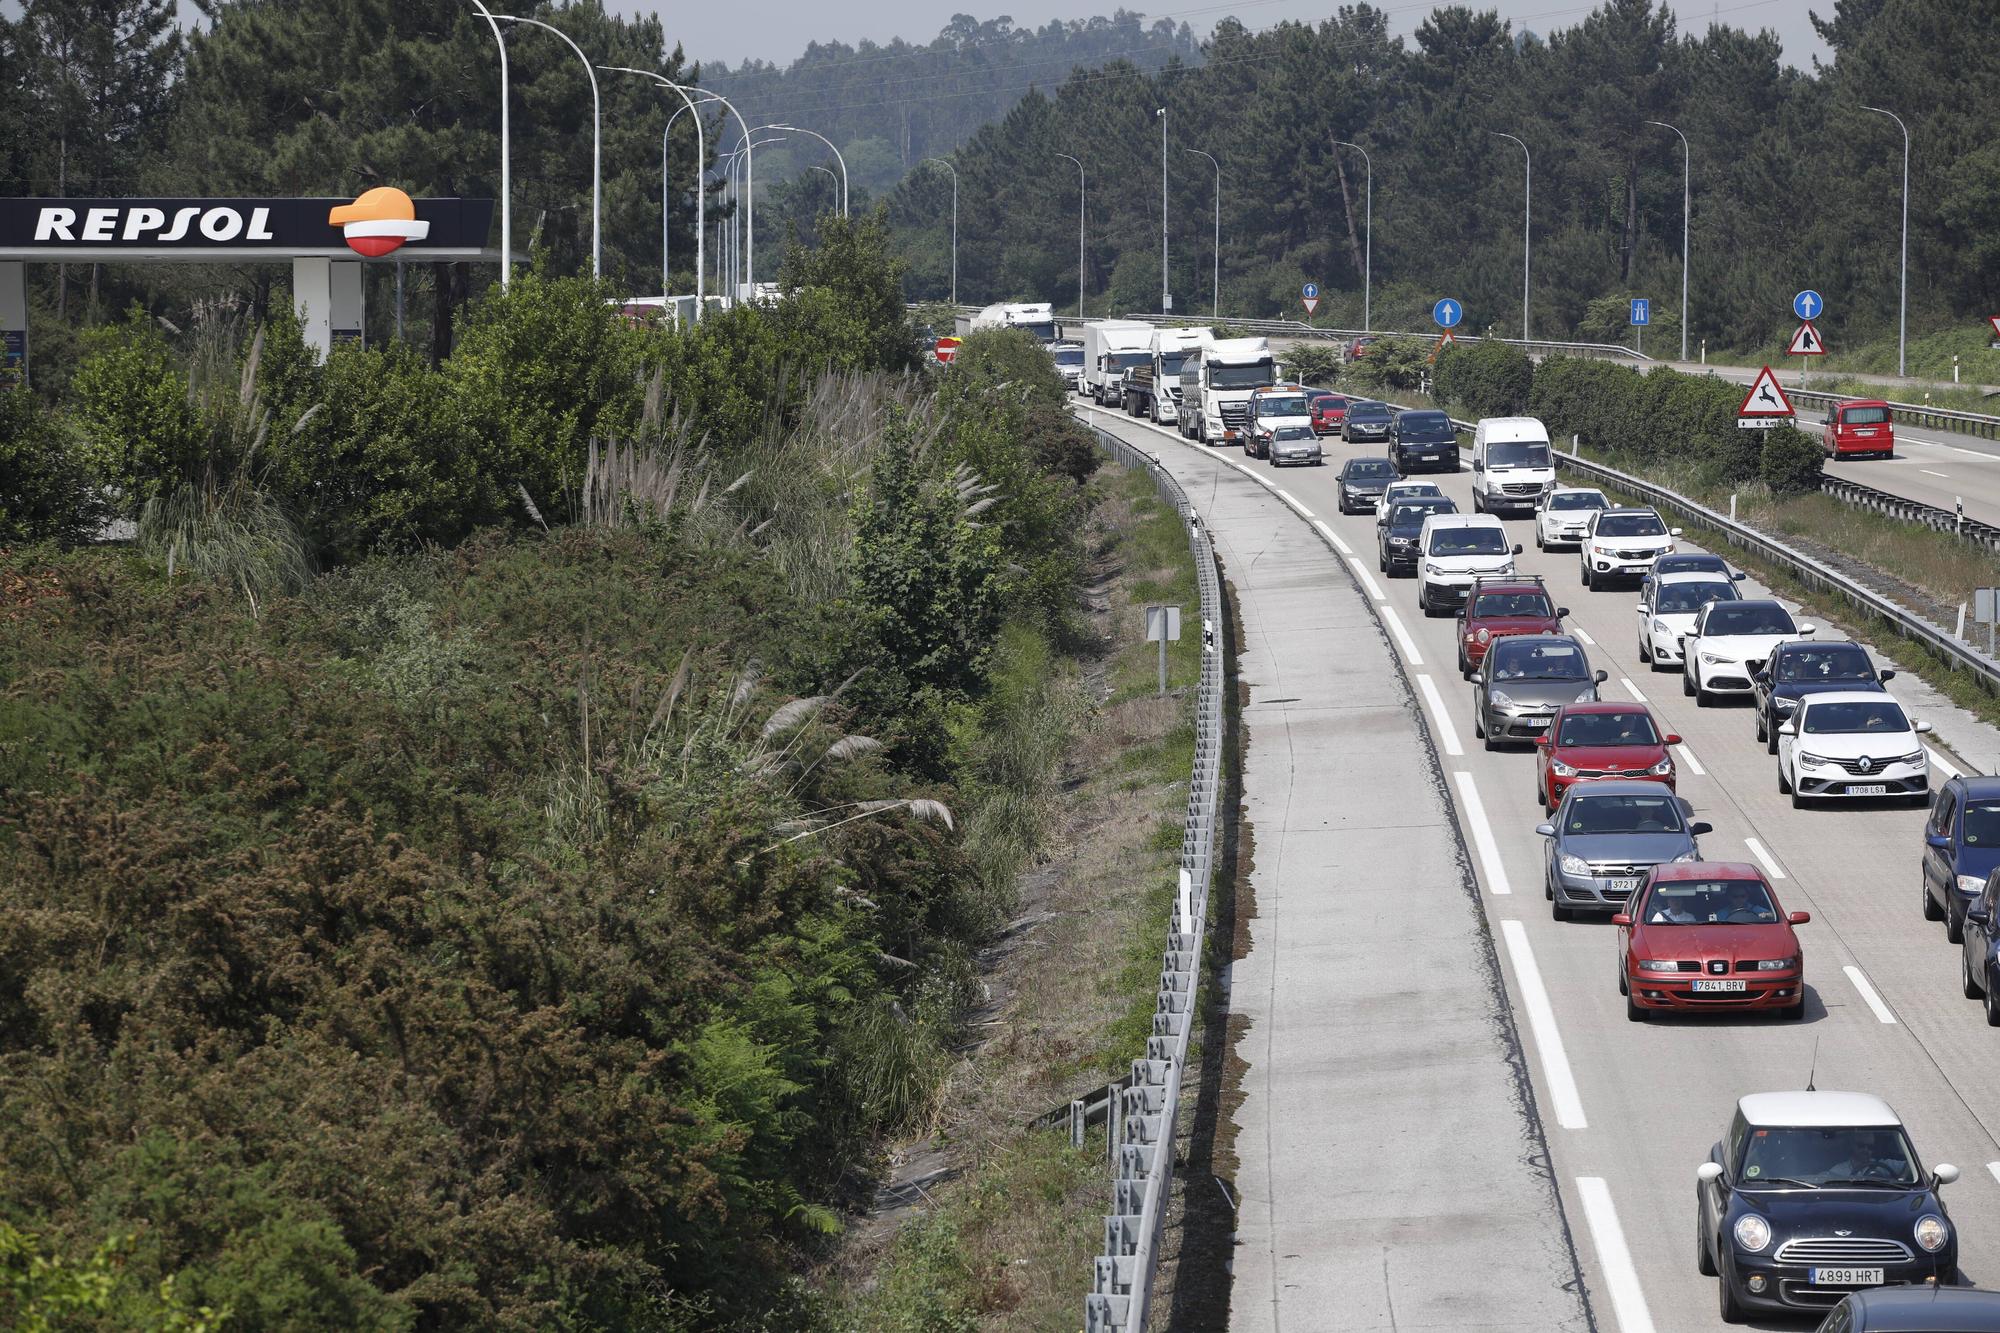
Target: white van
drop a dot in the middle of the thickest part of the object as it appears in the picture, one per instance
(1455, 549)
(1512, 464)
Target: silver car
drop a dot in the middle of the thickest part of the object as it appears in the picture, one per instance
(1521, 682)
(1296, 444)
(1605, 838)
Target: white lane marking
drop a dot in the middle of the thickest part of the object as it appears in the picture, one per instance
(1687, 757)
(1259, 478)
(1994, 1167)
(1928, 473)
(1868, 993)
(1367, 579)
(1938, 761)
(1402, 636)
(1771, 865)
(1293, 501)
(1333, 537)
(1632, 690)
(1482, 836)
(1583, 634)
(1439, 718)
(1628, 1299)
(1542, 1022)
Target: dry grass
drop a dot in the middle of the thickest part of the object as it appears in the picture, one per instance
(1939, 563)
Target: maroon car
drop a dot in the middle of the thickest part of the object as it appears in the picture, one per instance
(1601, 740)
(1497, 607)
(1328, 411)
(1709, 935)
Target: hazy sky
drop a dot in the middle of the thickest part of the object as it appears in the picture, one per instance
(779, 30)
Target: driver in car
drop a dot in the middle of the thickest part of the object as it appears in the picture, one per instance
(1868, 1158)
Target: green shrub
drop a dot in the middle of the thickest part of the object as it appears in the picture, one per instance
(1485, 379)
(46, 492)
(1791, 461)
(130, 401)
(1317, 362)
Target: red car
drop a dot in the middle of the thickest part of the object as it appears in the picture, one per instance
(1861, 426)
(1709, 935)
(1601, 740)
(1497, 607)
(1329, 410)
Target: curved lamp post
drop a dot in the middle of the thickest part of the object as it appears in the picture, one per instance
(797, 129)
(1527, 221)
(1687, 195)
(506, 177)
(1368, 240)
(1903, 303)
(1079, 229)
(596, 138)
(1215, 282)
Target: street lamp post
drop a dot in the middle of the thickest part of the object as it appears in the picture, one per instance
(700, 194)
(1368, 239)
(954, 223)
(1215, 280)
(506, 176)
(1903, 302)
(1166, 290)
(1687, 196)
(1079, 229)
(1527, 221)
(596, 139)
(795, 129)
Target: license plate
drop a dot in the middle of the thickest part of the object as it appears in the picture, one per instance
(1534, 722)
(1865, 430)
(1731, 988)
(1844, 1277)
(1867, 789)
(1624, 886)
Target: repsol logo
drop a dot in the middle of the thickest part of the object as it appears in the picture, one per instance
(140, 223)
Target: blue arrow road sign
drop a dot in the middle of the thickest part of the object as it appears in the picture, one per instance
(1447, 313)
(1807, 305)
(1642, 310)
(1310, 291)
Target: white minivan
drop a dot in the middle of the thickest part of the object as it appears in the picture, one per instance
(1512, 464)
(1455, 549)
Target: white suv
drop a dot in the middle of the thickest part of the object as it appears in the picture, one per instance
(1455, 549)
(1563, 515)
(1730, 643)
(1668, 605)
(1622, 544)
(1852, 743)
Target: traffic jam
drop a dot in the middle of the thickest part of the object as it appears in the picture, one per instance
(1812, 1205)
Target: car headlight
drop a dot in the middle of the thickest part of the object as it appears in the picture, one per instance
(1785, 705)
(1573, 865)
(1689, 855)
(1507, 568)
(1402, 541)
(1562, 770)
(1713, 659)
(1661, 769)
(1932, 1233)
(1500, 699)
(1599, 550)
(1660, 627)
(1753, 1233)
(1430, 568)
(1484, 634)
(1659, 965)
(1777, 964)
(1971, 883)
(1813, 760)
(1589, 695)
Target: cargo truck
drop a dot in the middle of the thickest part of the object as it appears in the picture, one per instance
(1217, 380)
(1037, 318)
(1154, 389)
(1110, 348)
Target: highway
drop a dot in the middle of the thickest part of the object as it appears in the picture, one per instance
(1630, 1110)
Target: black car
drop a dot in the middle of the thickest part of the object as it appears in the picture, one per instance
(1362, 481)
(1915, 1310)
(1813, 1194)
(1695, 562)
(1797, 669)
(1423, 441)
(1367, 420)
(1396, 534)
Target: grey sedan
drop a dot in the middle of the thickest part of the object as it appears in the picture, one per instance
(1606, 836)
(1521, 682)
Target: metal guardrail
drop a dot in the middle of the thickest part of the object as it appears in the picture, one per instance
(1141, 1114)
(1293, 328)
(1910, 414)
(1913, 511)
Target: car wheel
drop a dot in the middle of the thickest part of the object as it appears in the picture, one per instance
(1966, 985)
(1558, 911)
(1703, 698)
(1703, 1264)
(1992, 1007)
(1784, 781)
(1728, 1307)
(1478, 504)
(1798, 801)
(1796, 1010)
(1687, 684)
(1633, 1013)
(1763, 732)
(1539, 544)
(1931, 910)
(1589, 579)
(1645, 652)
(1478, 722)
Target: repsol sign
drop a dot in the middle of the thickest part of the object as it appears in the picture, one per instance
(382, 220)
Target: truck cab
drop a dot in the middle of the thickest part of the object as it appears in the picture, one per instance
(1858, 429)
(1216, 386)
(1154, 390)
(1271, 409)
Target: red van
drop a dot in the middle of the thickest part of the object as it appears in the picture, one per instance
(1859, 426)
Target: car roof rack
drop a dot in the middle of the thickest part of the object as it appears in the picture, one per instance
(1535, 579)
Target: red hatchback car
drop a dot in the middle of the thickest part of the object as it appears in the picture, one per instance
(1601, 740)
(1497, 607)
(1709, 935)
(1328, 411)
(1857, 428)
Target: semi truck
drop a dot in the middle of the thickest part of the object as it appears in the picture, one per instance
(1037, 318)
(1154, 389)
(1217, 380)
(1110, 348)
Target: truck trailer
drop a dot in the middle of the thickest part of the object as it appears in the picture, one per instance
(1037, 318)
(1110, 348)
(1154, 389)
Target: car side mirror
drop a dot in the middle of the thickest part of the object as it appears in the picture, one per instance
(1546, 830)
(1788, 728)
(1543, 742)
(1640, 608)
(1517, 548)
(1478, 466)
(1673, 740)
(1700, 828)
(1938, 841)
(1945, 1173)
(1620, 919)
(1978, 916)
(1603, 676)
(1673, 532)
(1807, 631)
(1762, 678)
(1799, 918)
(1886, 676)
(1708, 1173)
(1923, 728)
(1738, 575)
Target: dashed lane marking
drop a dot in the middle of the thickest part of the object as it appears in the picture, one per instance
(1632, 690)
(1542, 1022)
(1687, 757)
(1439, 718)
(1769, 862)
(1874, 1001)
(1482, 836)
(1333, 537)
(1403, 637)
(1367, 579)
(1628, 1299)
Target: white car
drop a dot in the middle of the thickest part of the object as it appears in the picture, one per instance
(1455, 549)
(1729, 644)
(1623, 544)
(1668, 605)
(1562, 515)
(1402, 490)
(1855, 743)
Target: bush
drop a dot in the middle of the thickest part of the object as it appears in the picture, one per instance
(46, 492)
(1391, 363)
(1485, 379)
(1316, 363)
(130, 401)
(1791, 461)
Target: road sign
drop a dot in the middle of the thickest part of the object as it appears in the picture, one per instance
(1642, 311)
(1806, 342)
(1310, 291)
(1311, 299)
(946, 349)
(1445, 340)
(1807, 305)
(1766, 400)
(1447, 313)
(1994, 320)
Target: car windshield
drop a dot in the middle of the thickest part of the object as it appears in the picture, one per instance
(1684, 597)
(1834, 662)
(1295, 433)
(1596, 730)
(1171, 363)
(1578, 500)
(1468, 541)
(1328, 401)
(1373, 411)
(1512, 604)
(1046, 331)
(1291, 405)
(1749, 618)
(1517, 453)
(1369, 469)
(1623, 814)
(1405, 517)
(1631, 525)
(1692, 902)
(1536, 658)
(1069, 356)
(1425, 426)
(1877, 1155)
(1691, 562)
(1981, 825)
(1411, 490)
(1242, 377)
(1864, 416)
(1871, 717)
(1126, 360)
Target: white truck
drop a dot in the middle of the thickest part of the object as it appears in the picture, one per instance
(1217, 380)
(1154, 390)
(1110, 348)
(1035, 317)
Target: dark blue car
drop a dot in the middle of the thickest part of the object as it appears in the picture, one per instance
(1795, 670)
(1961, 848)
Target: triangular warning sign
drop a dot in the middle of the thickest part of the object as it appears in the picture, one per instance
(1766, 398)
(1311, 304)
(1444, 340)
(1807, 342)
(1994, 320)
